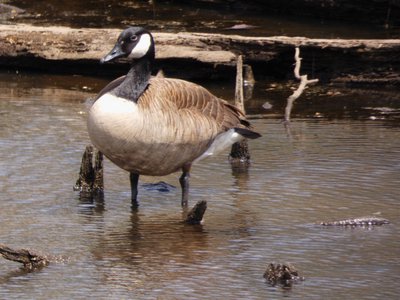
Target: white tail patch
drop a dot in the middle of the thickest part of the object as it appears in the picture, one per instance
(141, 47)
(220, 143)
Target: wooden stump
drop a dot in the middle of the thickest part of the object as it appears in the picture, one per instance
(195, 215)
(90, 181)
(240, 155)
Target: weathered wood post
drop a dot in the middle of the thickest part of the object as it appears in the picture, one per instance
(240, 155)
(195, 215)
(90, 182)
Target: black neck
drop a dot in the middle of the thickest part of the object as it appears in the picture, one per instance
(136, 80)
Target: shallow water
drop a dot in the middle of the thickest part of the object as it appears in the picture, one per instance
(329, 169)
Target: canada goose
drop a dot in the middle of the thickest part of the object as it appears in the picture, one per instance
(155, 125)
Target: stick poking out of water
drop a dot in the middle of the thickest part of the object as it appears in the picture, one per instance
(90, 175)
(240, 155)
(196, 214)
(304, 81)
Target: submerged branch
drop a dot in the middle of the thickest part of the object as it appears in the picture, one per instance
(282, 274)
(363, 222)
(28, 258)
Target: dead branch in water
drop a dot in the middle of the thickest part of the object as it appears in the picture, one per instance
(28, 258)
(304, 81)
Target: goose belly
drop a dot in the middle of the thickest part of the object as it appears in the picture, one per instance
(141, 142)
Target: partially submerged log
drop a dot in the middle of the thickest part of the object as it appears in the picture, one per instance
(362, 222)
(63, 49)
(29, 259)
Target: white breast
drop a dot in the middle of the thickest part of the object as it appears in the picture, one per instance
(111, 120)
(148, 142)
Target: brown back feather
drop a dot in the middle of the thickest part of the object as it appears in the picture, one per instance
(187, 95)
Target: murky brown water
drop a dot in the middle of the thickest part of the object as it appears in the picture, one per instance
(331, 168)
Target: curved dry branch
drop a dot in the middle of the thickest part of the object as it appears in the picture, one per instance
(304, 81)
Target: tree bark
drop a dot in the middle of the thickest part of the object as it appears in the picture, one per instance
(90, 180)
(190, 55)
(195, 215)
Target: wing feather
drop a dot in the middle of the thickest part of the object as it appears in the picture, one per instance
(189, 96)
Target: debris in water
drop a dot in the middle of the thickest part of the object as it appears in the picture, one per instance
(363, 221)
(28, 258)
(195, 215)
(90, 181)
(283, 274)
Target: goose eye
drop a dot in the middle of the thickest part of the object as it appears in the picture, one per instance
(134, 38)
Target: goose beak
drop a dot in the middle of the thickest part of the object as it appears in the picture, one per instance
(116, 52)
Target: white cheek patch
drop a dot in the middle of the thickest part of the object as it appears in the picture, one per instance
(141, 47)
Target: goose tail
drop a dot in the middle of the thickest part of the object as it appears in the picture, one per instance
(247, 133)
(226, 139)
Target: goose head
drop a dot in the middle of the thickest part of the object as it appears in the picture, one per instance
(134, 43)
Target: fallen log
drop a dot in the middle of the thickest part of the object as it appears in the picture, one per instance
(185, 54)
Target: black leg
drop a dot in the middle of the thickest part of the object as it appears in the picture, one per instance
(134, 178)
(184, 181)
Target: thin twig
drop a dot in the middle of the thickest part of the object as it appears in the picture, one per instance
(302, 86)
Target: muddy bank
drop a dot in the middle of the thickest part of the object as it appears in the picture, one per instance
(202, 55)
